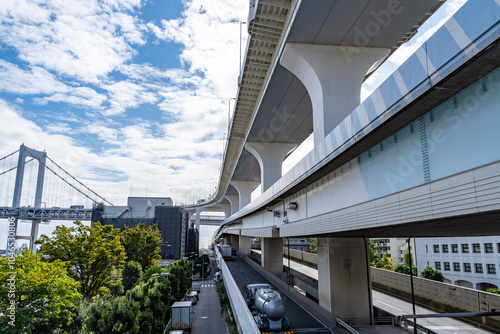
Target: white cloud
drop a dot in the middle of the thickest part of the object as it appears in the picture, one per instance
(35, 80)
(74, 38)
(126, 94)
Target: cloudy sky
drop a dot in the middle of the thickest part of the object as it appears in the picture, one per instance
(130, 96)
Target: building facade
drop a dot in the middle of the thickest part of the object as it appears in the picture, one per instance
(172, 221)
(472, 262)
(394, 248)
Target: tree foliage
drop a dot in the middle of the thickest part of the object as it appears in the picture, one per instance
(131, 273)
(385, 262)
(116, 315)
(180, 278)
(312, 246)
(405, 269)
(45, 296)
(198, 264)
(155, 299)
(95, 255)
(431, 273)
(142, 244)
(153, 270)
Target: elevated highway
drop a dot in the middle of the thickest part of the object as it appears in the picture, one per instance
(417, 158)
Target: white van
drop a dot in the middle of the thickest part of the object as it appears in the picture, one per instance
(217, 276)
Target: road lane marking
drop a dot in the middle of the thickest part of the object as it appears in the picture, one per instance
(389, 305)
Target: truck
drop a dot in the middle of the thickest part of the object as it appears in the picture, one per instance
(226, 252)
(181, 315)
(267, 307)
(196, 287)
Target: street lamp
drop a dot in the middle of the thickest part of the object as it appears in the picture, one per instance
(142, 279)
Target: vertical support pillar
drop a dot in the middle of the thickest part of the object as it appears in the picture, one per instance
(24, 152)
(235, 242)
(235, 203)
(226, 208)
(245, 244)
(344, 284)
(245, 189)
(198, 213)
(333, 76)
(272, 255)
(270, 157)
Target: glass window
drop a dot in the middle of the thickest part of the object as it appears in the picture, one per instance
(491, 269)
(454, 248)
(465, 248)
(488, 248)
(437, 265)
(498, 247)
(436, 248)
(446, 266)
(478, 267)
(476, 248)
(445, 248)
(456, 266)
(467, 267)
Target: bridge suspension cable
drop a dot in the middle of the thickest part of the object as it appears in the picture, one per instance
(9, 155)
(71, 185)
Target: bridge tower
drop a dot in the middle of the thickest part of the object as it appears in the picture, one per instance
(41, 157)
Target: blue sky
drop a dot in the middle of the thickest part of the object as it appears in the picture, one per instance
(131, 95)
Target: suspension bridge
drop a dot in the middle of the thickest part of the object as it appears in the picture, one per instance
(40, 191)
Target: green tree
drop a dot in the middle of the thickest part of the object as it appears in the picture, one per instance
(94, 253)
(131, 273)
(200, 263)
(386, 262)
(155, 299)
(312, 246)
(405, 269)
(142, 244)
(116, 315)
(373, 256)
(180, 278)
(431, 273)
(493, 290)
(153, 270)
(45, 296)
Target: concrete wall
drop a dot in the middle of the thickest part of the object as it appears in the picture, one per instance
(437, 295)
(440, 296)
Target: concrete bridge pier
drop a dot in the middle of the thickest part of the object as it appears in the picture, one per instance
(272, 255)
(234, 200)
(244, 245)
(244, 189)
(333, 76)
(270, 157)
(344, 285)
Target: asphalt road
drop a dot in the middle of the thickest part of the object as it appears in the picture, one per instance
(207, 317)
(439, 325)
(300, 320)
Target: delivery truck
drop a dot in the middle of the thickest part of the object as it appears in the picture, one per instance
(181, 316)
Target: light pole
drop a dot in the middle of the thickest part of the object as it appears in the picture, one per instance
(142, 279)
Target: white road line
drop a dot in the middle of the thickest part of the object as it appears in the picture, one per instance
(389, 305)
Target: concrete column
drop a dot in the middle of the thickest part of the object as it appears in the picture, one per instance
(244, 189)
(333, 76)
(226, 208)
(245, 245)
(344, 285)
(272, 255)
(270, 157)
(235, 203)
(198, 213)
(235, 241)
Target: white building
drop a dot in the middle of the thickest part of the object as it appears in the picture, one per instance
(394, 247)
(472, 262)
